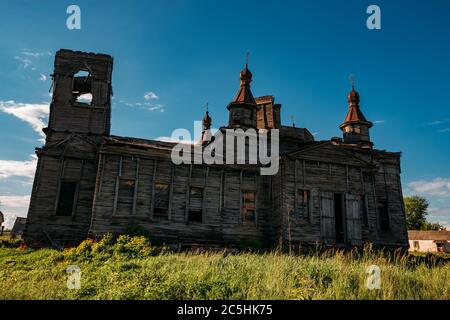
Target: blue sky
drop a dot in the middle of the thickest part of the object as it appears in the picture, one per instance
(191, 52)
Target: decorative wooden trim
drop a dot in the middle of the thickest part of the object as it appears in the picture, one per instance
(152, 204)
(221, 191)
(116, 192)
(61, 175)
(204, 195)
(169, 210)
(77, 189)
(188, 189)
(304, 172)
(136, 186)
(240, 197)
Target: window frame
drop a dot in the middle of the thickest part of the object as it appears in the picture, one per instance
(199, 211)
(159, 216)
(74, 200)
(244, 209)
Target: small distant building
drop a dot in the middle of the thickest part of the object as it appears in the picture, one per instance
(2, 219)
(18, 228)
(429, 241)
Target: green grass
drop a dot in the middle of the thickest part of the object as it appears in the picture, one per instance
(130, 268)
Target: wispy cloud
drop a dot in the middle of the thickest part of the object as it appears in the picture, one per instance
(445, 130)
(146, 105)
(439, 211)
(27, 52)
(15, 201)
(14, 168)
(25, 63)
(379, 121)
(436, 122)
(33, 114)
(439, 187)
(150, 96)
(42, 77)
(154, 107)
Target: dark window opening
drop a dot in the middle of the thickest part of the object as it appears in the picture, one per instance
(383, 211)
(195, 204)
(161, 207)
(339, 217)
(303, 202)
(82, 88)
(363, 209)
(67, 192)
(125, 198)
(248, 206)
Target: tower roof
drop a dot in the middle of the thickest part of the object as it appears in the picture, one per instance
(354, 113)
(244, 94)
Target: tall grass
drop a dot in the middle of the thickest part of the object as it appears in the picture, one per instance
(130, 268)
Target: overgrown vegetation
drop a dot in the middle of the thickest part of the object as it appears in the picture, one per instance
(130, 267)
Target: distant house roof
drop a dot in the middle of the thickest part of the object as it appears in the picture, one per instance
(429, 235)
(19, 226)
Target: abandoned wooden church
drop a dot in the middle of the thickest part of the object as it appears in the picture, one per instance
(338, 192)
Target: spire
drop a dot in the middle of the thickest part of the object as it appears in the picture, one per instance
(206, 120)
(355, 126)
(244, 95)
(354, 113)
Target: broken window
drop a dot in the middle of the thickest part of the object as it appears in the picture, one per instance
(67, 192)
(82, 88)
(125, 198)
(303, 202)
(383, 212)
(416, 245)
(195, 204)
(161, 207)
(248, 206)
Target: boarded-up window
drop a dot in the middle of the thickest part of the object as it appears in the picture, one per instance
(248, 206)
(195, 204)
(303, 202)
(125, 197)
(161, 207)
(383, 212)
(66, 199)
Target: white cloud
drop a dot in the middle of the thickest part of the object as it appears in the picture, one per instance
(15, 201)
(14, 168)
(42, 77)
(379, 121)
(439, 211)
(86, 98)
(150, 96)
(30, 53)
(24, 62)
(154, 107)
(33, 114)
(439, 187)
(437, 122)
